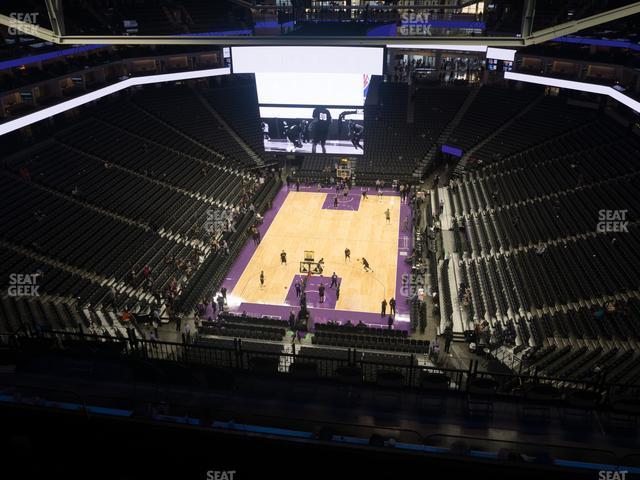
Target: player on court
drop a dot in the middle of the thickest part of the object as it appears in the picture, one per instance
(365, 265)
(283, 258)
(261, 278)
(387, 215)
(364, 195)
(347, 254)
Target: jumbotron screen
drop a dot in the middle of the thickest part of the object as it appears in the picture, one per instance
(311, 98)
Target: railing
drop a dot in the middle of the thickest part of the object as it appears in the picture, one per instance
(240, 357)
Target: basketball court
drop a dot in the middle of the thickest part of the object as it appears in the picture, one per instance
(309, 221)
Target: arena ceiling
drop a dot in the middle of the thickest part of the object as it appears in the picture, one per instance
(528, 37)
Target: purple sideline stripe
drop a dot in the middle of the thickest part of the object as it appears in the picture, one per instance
(351, 202)
(313, 297)
(250, 248)
(323, 315)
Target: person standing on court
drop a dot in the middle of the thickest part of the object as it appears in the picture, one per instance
(261, 278)
(383, 309)
(334, 280)
(347, 254)
(335, 201)
(298, 289)
(283, 258)
(321, 292)
(387, 215)
(365, 265)
(392, 306)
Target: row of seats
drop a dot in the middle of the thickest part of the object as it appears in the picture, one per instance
(226, 329)
(359, 329)
(247, 319)
(371, 342)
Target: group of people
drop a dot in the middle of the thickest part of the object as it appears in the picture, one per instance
(392, 311)
(301, 289)
(208, 310)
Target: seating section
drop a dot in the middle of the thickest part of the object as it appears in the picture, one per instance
(395, 146)
(370, 340)
(243, 331)
(133, 183)
(143, 198)
(537, 266)
(551, 117)
(492, 107)
(41, 314)
(245, 327)
(237, 102)
(118, 191)
(180, 108)
(359, 329)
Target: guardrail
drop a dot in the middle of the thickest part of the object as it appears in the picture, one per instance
(312, 362)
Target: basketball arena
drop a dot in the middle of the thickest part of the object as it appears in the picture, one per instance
(309, 238)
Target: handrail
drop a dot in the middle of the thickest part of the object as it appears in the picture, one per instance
(238, 353)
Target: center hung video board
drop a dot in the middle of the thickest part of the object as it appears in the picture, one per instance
(311, 99)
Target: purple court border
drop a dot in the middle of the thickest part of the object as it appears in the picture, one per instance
(323, 315)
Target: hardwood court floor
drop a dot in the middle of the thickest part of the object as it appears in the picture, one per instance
(301, 224)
